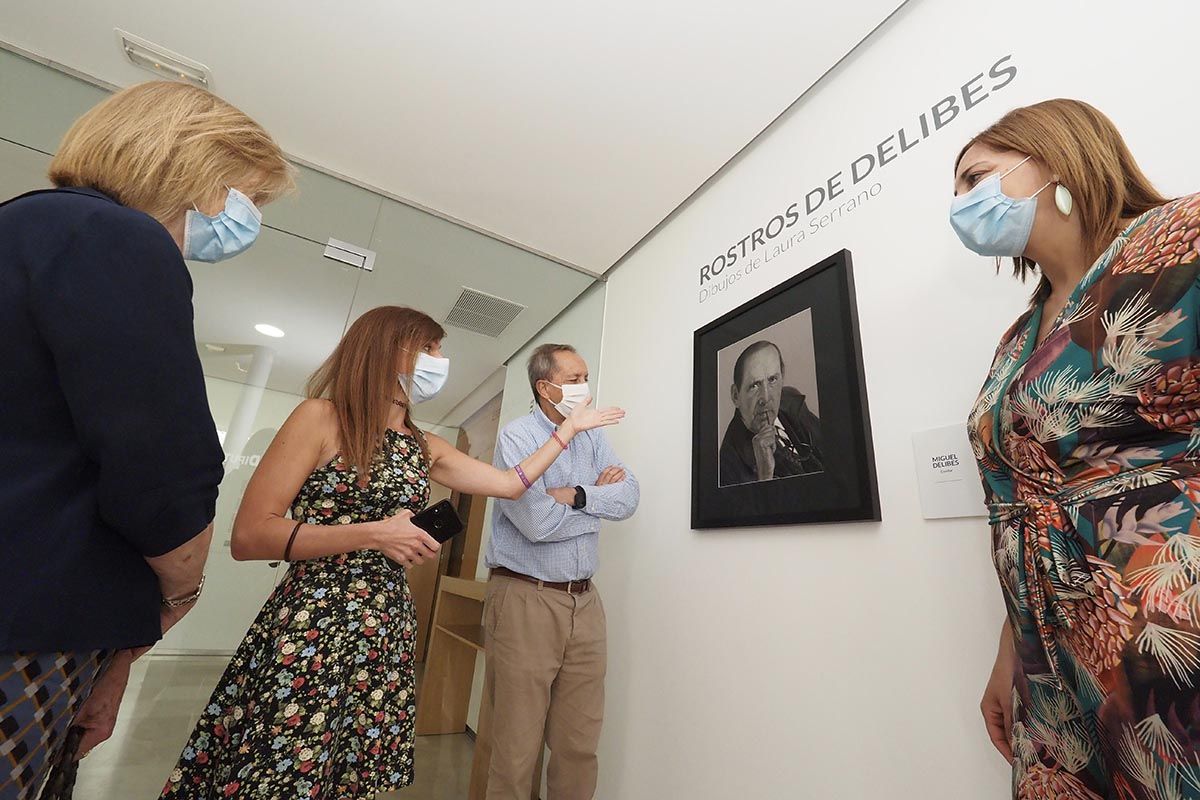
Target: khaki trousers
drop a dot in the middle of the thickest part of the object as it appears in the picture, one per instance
(546, 657)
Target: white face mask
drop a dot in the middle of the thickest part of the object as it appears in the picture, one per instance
(573, 395)
(428, 378)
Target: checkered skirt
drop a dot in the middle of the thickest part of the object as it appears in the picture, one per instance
(40, 693)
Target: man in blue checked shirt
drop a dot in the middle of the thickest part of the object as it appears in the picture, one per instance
(543, 620)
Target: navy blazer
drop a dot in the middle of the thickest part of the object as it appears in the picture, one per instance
(109, 452)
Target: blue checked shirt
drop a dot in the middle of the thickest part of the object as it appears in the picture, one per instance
(545, 539)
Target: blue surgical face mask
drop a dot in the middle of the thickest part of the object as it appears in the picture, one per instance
(428, 378)
(990, 222)
(217, 238)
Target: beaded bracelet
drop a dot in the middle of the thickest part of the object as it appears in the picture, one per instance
(521, 475)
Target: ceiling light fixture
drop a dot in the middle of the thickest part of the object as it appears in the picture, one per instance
(163, 62)
(214, 348)
(269, 330)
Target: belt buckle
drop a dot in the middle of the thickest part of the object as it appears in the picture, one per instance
(570, 587)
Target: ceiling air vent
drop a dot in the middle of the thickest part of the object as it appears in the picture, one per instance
(483, 313)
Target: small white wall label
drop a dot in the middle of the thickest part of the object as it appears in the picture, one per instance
(946, 473)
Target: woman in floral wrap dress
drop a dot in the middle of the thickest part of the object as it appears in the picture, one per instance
(1087, 437)
(319, 700)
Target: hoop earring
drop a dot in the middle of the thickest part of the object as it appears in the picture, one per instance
(1063, 200)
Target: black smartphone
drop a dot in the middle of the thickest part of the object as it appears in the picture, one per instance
(440, 521)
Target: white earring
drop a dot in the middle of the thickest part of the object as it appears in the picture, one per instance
(1063, 200)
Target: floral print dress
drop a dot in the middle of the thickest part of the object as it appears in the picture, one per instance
(1089, 448)
(319, 700)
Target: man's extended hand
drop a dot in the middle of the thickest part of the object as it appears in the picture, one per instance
(610, 475)
(563, 494)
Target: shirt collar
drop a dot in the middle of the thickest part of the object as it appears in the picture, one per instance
(542, 419)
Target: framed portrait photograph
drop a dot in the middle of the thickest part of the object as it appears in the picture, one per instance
(780, 424)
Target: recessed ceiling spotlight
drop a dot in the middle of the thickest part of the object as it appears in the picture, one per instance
(161, 61)
(269, 330)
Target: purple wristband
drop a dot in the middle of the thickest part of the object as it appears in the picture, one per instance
(521, 475)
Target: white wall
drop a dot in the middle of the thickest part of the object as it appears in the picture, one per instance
(845, 661)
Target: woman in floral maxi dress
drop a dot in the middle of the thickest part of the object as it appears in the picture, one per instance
(1087, 437)
(319, 700)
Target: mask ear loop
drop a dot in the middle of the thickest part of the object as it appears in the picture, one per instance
(196, 208)
(1013, 169)
(187, 228)
(1035, 194)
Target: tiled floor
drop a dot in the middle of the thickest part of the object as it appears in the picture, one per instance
(161, 705)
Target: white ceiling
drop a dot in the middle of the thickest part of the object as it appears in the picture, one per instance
(572, 129)
(568, 132)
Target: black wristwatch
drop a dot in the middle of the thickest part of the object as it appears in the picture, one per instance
(580, 499)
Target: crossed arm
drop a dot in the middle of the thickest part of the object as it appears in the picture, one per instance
(544, 514)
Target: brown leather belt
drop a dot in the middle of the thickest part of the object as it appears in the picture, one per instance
(570, 587)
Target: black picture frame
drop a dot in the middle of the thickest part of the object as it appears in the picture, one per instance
(845, 489)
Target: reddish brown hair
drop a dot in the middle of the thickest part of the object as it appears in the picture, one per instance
(359, 378)
(1083, 147)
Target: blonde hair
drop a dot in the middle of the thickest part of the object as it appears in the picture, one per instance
(161, 147)
(1083, 147)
